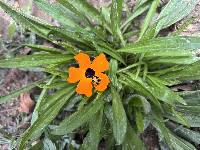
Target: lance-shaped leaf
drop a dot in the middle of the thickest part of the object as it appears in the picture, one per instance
(162, 92)
(174, 11)
(79, 117)
(34, 24)
(136, 12)
(58, 12)
(132, 140)
(44, 48)
(48, 115)
(187, 72)
(164, 46)
(91, 141)
(82, 8)
(149, 17)
(141, 87)
(119, 117)
(116, 12)
(186, 133)
(34, 60)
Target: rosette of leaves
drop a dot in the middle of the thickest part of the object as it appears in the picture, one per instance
(142, 70)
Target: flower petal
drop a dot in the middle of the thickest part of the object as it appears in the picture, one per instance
(74, 75)
(100, 63)
(103, 83)
(83, 60)
(85, 87)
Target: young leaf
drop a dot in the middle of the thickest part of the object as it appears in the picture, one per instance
(173, 12)
(139, 101)
(79, 117)
(139, 118)
(34, 60)
(48, 115)
(119, 117)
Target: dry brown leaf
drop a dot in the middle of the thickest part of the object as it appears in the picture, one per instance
(26, 103)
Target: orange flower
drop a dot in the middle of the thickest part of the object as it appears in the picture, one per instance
(89, 74)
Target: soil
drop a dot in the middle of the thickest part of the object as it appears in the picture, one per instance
(11, 79)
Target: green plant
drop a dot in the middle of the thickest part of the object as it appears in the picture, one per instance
(141, 73)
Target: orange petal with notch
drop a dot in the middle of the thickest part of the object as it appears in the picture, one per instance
(74, 75)
(83, 60)
(85, 87)
(100, 63)
(103, 83)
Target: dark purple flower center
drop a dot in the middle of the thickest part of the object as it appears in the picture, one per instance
(89, 73)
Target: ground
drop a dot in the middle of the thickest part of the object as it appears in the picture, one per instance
(11, 120)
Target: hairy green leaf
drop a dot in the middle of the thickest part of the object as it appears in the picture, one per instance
(48, 144)
(34, 60)
(192, 119)
(162, 92)
(132, 140)
(82, 7)
(174, 11)
(79, 117)
(139, 101)
(34, 24)
(187, 72)
(58, 12)
(91, 142)
(168, 46)
(180, 144)
(111, 52)
(119, 117)
(39, 101)
(190, 135)
(141, 87)
(48, 115)
(115, 16)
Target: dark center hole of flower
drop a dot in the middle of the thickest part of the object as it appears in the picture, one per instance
(89, 73)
